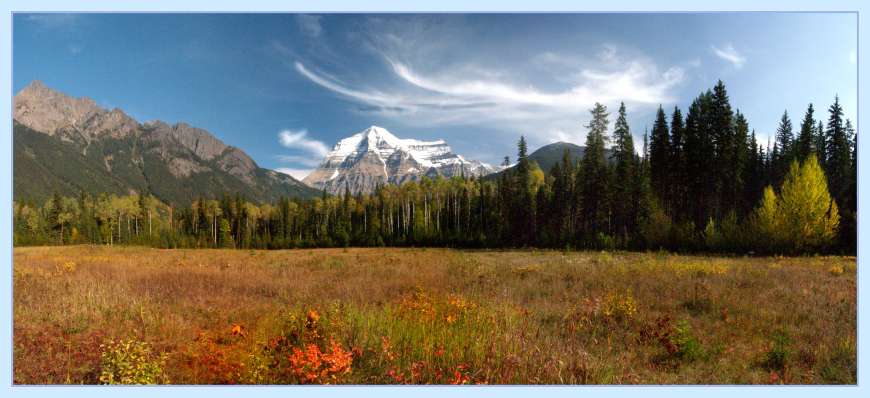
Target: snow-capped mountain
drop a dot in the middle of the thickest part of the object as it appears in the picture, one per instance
(377, 156)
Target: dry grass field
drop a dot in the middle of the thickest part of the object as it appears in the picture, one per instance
(100, 315)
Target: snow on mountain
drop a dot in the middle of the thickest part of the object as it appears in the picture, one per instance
(375, 156)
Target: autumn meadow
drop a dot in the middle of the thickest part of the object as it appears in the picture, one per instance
(136, 315)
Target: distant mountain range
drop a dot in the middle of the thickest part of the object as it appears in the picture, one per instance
(375, 156)
(548, 155)
(73, 144)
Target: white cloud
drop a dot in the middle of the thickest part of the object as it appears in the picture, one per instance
(305, 160)
(73, 49)
(309, 24)
(295, 173)
(730, 54)
(297, 140)
(413, 76)
(309, 153)
(54, 20)
(853, 58)
(483, 99)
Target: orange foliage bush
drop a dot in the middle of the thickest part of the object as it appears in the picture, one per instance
(313, 366)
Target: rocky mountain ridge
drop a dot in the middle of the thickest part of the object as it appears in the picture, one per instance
(175, 162)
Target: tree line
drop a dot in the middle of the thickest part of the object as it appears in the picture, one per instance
(700, 183)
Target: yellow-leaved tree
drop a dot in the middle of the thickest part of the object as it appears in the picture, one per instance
(803, 218)
(809, 215)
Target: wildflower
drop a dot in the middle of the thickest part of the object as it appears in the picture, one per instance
(313, 317)
(237, 331)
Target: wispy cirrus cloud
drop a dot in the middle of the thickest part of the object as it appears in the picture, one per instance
(298, 140)
(54, 20)
(445, 99)
(730, 54)
(309, 24)
(412, 74)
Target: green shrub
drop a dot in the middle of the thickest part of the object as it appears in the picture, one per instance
(688, 347)
(778, 355)
(131, 362)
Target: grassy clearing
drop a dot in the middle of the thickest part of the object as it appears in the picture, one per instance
(91, 314)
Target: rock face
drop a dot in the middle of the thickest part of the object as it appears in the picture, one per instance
(175, 163)
(201, 142)
(71, 119)
(375, 156)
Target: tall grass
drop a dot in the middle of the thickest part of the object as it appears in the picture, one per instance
(418, 316)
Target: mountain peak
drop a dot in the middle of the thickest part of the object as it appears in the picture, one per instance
(36, 85)
(49, 111)
(36, 89)
(377, 156)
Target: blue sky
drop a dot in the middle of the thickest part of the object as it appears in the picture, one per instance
(286, 87)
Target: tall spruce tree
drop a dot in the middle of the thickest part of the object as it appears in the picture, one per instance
(522, 199)
(678, 173)
(804, 143)
(726, 174)
(820, 145)
(701, 162)
(740, 158)
(593, 174)
(838, 153)
(660, 154)
(784, 156)
(753, 175)
(623, 192)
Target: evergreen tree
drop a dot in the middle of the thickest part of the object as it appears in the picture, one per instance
(754, 175)
(593, 174)
(700, 168)
(725, 173)
(820, 145)
(645, 154)
(563, 197)
(56, 216)
(804, 143)
(740, 159)
(678, 172)
(660, 155)
(523, 166)
(784, 142)
(624, 194)
(523, 200)
(838, 153)
(785, 137)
